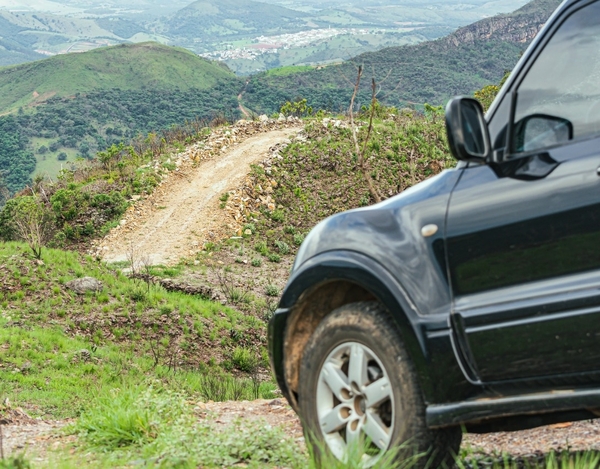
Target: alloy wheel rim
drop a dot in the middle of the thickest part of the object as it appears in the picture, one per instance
(354, 402)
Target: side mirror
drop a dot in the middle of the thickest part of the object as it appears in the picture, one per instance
(468, 134)
(541, 131)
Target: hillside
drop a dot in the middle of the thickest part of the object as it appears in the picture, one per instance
(140, 369)
(15, 47)
(74, 105)
(142, 66)
(431, 72)
(28, 36)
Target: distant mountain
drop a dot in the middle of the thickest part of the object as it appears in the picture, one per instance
(216, 20)
(14, 46)
(26, 36)
(430, 72)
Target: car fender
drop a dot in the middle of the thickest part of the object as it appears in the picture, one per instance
(370, 275)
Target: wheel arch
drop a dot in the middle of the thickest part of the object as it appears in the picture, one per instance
(330, 281)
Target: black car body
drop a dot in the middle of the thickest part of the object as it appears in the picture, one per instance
(491, 270)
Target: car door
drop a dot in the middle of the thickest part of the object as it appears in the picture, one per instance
(523, 234)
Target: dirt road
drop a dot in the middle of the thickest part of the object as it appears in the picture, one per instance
(36, 438)
(176, 220)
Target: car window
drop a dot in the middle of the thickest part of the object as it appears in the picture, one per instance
(559, 98)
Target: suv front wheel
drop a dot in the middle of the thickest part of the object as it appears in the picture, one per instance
(358, 386)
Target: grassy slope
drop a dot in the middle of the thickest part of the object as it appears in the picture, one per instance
(45, 329)
(127, 67)
(131, 333)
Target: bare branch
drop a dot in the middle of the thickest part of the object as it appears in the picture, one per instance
(351, 111)
(360, 155)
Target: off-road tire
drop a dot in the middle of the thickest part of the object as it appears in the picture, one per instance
(369, 324)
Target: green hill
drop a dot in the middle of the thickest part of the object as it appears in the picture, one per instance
(74, 105)
(430, 72)
(126, 67)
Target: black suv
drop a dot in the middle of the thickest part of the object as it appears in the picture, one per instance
(473, 298)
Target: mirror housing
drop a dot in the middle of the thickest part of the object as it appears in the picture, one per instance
(539, 131)
(468, 134)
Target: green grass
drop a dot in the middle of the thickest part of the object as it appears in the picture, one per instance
(318, 178)
(160, 428)
(127, 67)
(290, 70)
(59, 349)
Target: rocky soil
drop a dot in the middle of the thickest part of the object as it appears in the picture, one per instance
(183, 213)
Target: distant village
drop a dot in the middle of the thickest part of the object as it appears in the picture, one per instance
(273, 44)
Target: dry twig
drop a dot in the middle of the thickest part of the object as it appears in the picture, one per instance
(360, 154)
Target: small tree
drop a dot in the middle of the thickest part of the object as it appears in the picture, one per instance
(298, 108)
(361, 159)
(62, 156)
(32, 223)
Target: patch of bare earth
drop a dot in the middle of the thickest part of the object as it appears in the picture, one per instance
(21, 434)
(576, 436)
(36, 438)
(183, 213)
(571, 436)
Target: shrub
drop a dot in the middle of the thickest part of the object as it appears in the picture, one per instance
(282, 247)
(278, 215)
(261, 247)
(274, 257)
(32, 223)
(298, 239)
(272, 290)
(244, 360)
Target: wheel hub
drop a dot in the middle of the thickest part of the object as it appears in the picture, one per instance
(355, 402)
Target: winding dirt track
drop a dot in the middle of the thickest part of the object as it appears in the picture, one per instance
(183, 213)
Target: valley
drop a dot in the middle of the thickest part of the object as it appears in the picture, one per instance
(32, 29)
(71, 106)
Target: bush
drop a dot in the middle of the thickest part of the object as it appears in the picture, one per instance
(274, 257)
(32, 223)
(282, 247)
(278, 215)
(298, 239)
(261, 247)
(272, 290)
(244, 360)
